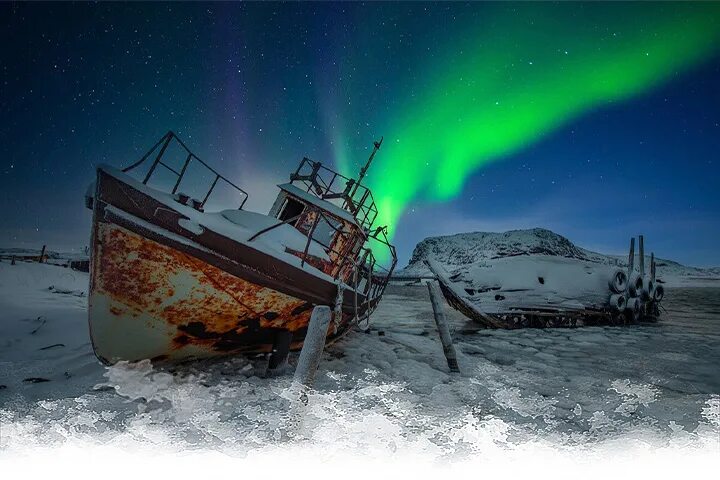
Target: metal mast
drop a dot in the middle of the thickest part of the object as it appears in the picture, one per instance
(364, 170)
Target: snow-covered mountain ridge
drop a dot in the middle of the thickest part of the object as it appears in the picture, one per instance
(461, 249)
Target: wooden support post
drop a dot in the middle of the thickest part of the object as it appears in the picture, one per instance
(631, 257)
(42, 255)
(312, 347)
(277, 363)
(442, 326)
(307, 366)
(652, 267)
(641, 248)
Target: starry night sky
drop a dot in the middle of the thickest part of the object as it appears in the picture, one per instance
(596, 121)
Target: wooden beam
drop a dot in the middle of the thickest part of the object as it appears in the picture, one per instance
(443, 328)
(312, 347)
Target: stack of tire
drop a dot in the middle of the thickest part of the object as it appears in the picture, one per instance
(638, 298)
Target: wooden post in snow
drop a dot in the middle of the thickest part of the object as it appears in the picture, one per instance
(652, 267)
(42, 254)
(12, 261)
(442, 326)
(312, 347)
(631, 267)
(306, 368)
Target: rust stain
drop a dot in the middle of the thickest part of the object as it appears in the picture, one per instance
(317, 262)
(343, 245)
(206, 306)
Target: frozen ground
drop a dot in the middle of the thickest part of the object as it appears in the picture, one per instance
(380, 393)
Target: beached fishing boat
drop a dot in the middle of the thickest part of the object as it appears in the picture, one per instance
(171, 280)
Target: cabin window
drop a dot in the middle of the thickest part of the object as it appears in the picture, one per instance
(291, 208)
(325, 231)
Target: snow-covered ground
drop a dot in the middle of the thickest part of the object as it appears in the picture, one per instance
(522, 394)
(52, 257)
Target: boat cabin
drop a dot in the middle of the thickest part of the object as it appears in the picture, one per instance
(324, 210)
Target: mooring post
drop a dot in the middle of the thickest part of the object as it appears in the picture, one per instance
(312, 347)
(442, 326)
(307, 365)
(652, 267)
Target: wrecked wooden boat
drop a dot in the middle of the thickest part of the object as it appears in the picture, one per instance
(539, 291)
(172, 280)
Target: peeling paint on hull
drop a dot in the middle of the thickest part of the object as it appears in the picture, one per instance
(150, 300)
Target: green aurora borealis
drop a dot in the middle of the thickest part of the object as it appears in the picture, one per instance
(521, 73)
(596, 120)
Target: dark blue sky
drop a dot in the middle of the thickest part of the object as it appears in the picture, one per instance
(650, 165)
(246, 87)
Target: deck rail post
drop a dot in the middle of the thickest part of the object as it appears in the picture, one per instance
(310, 238)
(159, 156)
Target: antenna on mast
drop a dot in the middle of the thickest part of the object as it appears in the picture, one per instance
(364, 170)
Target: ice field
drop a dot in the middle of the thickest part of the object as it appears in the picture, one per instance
(382, 393)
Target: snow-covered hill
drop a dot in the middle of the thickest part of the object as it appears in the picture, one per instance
(466, 248)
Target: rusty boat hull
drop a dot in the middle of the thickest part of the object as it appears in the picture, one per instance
(160, 291)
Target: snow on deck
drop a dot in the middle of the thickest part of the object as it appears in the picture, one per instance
(237, 225)
(324, 204)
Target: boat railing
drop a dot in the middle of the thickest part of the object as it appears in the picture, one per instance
(161, 147)
(378, 274)
(327, 184)
(365, 262)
